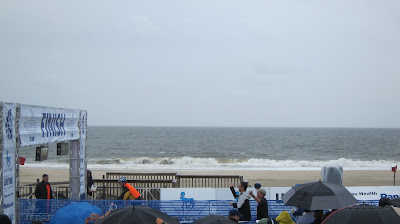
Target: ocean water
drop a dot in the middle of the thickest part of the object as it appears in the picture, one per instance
(197, 148)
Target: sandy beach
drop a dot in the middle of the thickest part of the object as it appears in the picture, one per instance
(266, 178)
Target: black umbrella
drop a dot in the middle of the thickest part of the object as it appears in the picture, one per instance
(136, 215)
(395, 202)
(214, 219)
(318, 196)
(365, 214)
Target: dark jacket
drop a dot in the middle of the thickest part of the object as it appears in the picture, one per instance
(262, 209)
(243, 205)
(41, 191)
(90, 182)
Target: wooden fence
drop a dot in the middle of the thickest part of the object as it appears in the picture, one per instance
(148, 184)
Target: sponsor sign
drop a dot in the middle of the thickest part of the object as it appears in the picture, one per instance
(273, 193)
(82, 155)
(9, 146)
(187, 194)
(41, 125)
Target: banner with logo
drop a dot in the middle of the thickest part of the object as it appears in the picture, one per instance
(41, 125)
(9, 147)
(82, 155)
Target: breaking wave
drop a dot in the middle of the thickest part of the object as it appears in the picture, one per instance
(191, 163)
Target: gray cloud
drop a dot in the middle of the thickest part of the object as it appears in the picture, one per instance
(206, 63)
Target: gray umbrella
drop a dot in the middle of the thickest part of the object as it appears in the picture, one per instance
(364, 214)
(318, 196)
(395, 202)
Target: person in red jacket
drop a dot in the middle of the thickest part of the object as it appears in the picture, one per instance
(128, 191)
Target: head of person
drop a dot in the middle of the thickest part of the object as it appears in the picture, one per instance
(383, 202)
(261, 193)
(234, 214)
(45, 178)
(284, 218)
(122, 181)
(318, 214)
(89, 173)
(243, 186)
(5, 219)
(257, 186)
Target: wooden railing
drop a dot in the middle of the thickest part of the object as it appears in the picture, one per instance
(213, 181)
(148, 184)
(141, 176)
(183, 181)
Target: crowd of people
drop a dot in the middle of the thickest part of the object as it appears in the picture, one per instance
(243, 212)
(241, 206)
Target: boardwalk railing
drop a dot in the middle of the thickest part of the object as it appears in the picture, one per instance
(148, 184)
(216, 181)
(182, 181)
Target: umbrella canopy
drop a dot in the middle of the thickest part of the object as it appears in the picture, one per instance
(395, 202)
(75, 213)
(319, 195)
(365, 214)
(214, 219)
(136, 215)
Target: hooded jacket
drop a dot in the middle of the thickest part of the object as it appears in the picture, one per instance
(284, 218)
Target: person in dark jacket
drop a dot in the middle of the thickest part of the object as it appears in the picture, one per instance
(243, 203)
(318, 217)
(262, 206)
(90, 182)
(43, 189)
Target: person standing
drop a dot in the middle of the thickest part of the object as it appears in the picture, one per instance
(43, 189)
(262, 207)
(243, 203)
(90, 183)
(128, 191)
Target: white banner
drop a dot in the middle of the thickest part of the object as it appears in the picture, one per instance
(82, 155)
(9, 147)
(41, 125)
(273, 193)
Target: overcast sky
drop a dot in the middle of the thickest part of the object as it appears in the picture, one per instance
(206, 63)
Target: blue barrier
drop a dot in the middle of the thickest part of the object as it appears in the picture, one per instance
(186, 211)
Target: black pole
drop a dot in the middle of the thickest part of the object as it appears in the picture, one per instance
(394, 178)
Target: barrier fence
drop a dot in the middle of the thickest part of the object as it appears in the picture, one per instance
(185, 211)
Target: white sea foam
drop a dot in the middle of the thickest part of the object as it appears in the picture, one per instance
(191, 163)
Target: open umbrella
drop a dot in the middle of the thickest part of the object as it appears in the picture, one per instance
(365, 214)
(75, 213)
(318, 196)
(395, 202)
(136, 215)
(214, 219)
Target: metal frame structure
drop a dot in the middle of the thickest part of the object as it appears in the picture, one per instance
(78, 161)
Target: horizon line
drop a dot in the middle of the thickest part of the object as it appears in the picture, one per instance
(193, 126)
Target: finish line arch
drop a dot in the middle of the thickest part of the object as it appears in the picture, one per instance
(27, 125)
